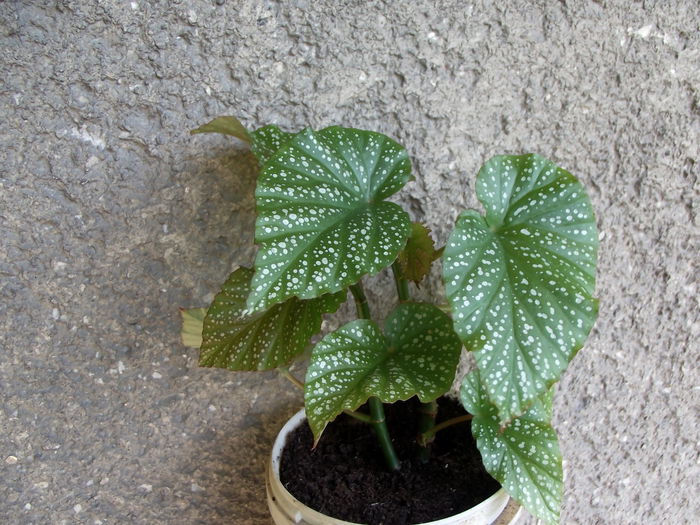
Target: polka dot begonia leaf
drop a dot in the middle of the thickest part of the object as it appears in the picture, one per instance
(524, 457)
(322, 219)
(417, 355)
(520, 280)
(266, 141)
(234, 339)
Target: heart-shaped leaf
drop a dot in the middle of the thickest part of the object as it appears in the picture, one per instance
(418, 355)
(418, 255)
(322, 222)
(234, 339)
(520, 281)
(192, 326)
(524, 457)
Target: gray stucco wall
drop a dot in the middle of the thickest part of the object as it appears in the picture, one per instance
(111, 217)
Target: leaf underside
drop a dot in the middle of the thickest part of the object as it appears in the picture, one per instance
(524, 457)
(417, 355)
(520, 280)
(234, 339)
(192, 326)
(322, 219)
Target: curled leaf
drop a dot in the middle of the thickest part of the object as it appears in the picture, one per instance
(418, 255)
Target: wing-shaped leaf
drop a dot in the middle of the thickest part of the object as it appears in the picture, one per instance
(322, 222)
(520, 281)
(524, 457)
(192, 326)
(267, 141)
(417, 356)
(234, 339)
(415, 259)
(226, 125)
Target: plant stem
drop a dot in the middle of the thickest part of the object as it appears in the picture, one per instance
(360, 416)
(292, 379)
(426, 425)
(360, 301)
(375, 405)
(429, 435)
(428, 411)
(379, 422)
(401, 283)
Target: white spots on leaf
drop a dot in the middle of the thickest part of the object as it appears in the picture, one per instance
(520, 283)
(320, 198)
(525, 457)
(417, 356)
(235, 339)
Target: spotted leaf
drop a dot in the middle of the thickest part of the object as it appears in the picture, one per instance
(520, 280)
(234, 339)
(417, 355)
(418, 255)
(266, 141)
(192, 326)
(524, 457)
(322, 222)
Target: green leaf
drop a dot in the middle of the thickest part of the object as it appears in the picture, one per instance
(417, 355)
(524, 457)
(267, 141)
(418, 255)
(192, 326)
(264, 142)
(520, 281)
(234, 339)
(322, 222)
(226, 125)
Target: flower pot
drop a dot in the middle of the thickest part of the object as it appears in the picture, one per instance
(287, 510)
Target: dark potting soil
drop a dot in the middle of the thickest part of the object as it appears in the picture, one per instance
(345, 477)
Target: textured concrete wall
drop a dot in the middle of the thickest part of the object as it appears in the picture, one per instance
(111, 217)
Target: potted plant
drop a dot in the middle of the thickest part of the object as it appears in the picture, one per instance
(519, 282)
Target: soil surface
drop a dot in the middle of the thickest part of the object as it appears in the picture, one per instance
(345, 476)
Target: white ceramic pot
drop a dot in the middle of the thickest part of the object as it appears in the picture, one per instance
(287, 510)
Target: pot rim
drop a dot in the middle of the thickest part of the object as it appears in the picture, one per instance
(496, 501)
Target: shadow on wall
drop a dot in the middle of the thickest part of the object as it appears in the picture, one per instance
(232, 470)
(217, 220)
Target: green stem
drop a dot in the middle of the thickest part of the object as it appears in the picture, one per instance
(375, 405)
(401, 283)
(379, 422)
(428, 411)
(427, 436)
(360, 416)
(360, 301)
(426, 425)
(292, 379)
